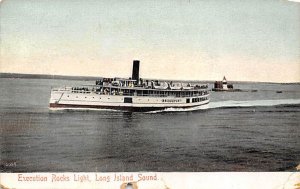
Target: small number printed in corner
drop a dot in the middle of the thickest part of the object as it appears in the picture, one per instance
(8, 163)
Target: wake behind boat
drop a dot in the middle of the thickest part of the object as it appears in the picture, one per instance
(133, 94)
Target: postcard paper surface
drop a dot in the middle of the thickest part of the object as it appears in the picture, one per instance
(151, 180)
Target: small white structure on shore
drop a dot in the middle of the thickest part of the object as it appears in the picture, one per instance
(222, 85)
(224, 82)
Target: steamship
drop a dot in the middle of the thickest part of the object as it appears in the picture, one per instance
(132, 94)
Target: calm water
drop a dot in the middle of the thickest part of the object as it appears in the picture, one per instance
(241, 131)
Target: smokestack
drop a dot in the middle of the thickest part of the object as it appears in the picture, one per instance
(135, 70)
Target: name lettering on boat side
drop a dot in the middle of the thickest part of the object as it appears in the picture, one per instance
(171, 100)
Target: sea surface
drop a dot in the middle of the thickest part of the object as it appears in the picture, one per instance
(237, 131)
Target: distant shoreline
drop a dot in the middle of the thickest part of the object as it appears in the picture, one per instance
(45, 76)
(92, 78)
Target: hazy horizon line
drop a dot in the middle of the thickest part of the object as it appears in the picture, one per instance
(79, 77)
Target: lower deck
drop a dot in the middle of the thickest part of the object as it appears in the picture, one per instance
(66, 99)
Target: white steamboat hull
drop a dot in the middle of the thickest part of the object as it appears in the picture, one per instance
(67, 99)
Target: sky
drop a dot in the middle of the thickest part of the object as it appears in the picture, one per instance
(250, 40)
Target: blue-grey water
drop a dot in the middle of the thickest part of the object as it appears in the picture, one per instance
(239, 131)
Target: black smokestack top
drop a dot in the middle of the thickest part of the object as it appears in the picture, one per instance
(135, 70)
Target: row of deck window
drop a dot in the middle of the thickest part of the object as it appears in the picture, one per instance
(147, 93)
(176, 100)
(199, 99)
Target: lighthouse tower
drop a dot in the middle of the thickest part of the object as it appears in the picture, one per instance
(224, 82)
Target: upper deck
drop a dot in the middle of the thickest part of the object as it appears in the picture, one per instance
(128, 87)
(130, 84)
